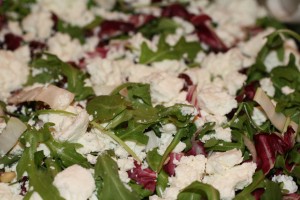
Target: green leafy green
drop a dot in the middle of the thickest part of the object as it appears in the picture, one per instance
(53, 70)
(106, 107)
(198, 190)
(75, 32)
(272, 191)
(165, 51)
(162, 182)
(20, 7)
(257, 182)
(111, 186)
(265, 22)
(40, 178)
(157, 26)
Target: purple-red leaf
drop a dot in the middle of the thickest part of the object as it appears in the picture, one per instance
(111, 28)
(143, 176)
(197, 148)
(269, 145)
(176, 10)
(170, 166)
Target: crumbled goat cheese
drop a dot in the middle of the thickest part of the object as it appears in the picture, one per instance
(44, 148)
(234, 81)
(220, 134)
(95, 141)
(75, 182)
(137, 3)
(288, 183)
(258, 116)
(14, 27)
(138, 149)
(267, 86)
(108, 5)
(68, 127)
(37, 25)
(14, 73)
(286, 90)
(66, 48)
(222, 64)
(74, 12)
(125, 164)
(171, 66)
(164, 87)
(209, 100)
(106, 72)
(225, 173)
(251, 48)
(232, 16)
(7, 192)
(188, 170)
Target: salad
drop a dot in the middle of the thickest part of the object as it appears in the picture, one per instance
(140, 99)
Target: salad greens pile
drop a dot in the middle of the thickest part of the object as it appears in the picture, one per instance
(128, 118)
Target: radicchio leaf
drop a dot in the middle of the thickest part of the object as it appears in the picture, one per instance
(170, 166)
(176, 10)
(207, 35)
(143, 176)
(111, 28)
(269, 145)
(197, 148)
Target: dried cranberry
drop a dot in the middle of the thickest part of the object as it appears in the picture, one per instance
(187, 81)
(12, 41)
(23, 182)
(111, 28)
(176, 10)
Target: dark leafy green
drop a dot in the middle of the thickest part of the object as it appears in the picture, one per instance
(165, 51)
(157, 26)
(21, 7)
(53, 70)
(110, 186)
(198, 190)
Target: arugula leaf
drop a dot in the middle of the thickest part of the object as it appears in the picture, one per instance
(153, 159)
(39, 179)
(272, 191)
(165, 51)
(75, 32)
(198, 190)
(111, 186)
(265, 22)
(157, 26)
(21, 7)
(257, 182)
(105, 107)
(162, 182)
(53, 70)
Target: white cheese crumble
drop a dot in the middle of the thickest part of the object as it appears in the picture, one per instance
(37, 25)
(74, 12)
(288, 183)
(14, 72)
(7, 192)
(286, 90)
(225, 173)
(188, 170)
(220, 134)
(67, 126)
(267, 86)
(66, 48)
(209, 99)
(75, 182)
(258, 116)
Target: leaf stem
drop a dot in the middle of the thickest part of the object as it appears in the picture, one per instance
(117, 139)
